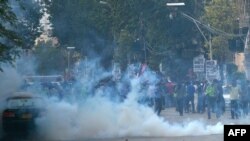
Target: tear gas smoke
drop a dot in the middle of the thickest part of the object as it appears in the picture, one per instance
(99, 116)
(10, 80)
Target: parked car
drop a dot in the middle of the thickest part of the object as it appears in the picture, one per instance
(50, 85)
(21, 110)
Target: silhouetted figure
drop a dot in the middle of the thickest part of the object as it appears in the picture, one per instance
(234, 100)
(211, 98)
(180, 96)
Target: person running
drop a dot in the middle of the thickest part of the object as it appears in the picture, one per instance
(211, 98)
(158, 99)
(220, 101)
(190, 96)
(180, 96)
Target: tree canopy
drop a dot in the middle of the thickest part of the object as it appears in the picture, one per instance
(17, 32)
(127, 31)
(222, 17)
(9, 40)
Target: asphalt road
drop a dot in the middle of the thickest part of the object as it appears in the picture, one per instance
(171, 116)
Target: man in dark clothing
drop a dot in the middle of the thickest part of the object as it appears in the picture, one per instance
(180, 95)
(170, 86)
(201, 98)
(244, 97)
(158, 98)
(220, 102)
(190, 96)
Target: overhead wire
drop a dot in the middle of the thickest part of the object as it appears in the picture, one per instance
(211, 28)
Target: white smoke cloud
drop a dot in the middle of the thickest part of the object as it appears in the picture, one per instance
(10, 81)
(100, 117)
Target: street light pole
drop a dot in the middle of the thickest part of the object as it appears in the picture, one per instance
(209, 41)
(210, 47)
(112, 14)
(68, 60)
(112, 9)
(195, 21)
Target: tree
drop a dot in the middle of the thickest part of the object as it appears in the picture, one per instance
(10, 42)
(221, 15)
(28, 14)
(99, 27)
(18, 31)
(50, 59)
(73, 26)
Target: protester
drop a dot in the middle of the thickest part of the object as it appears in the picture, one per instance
(180, 96)
(201, 98)
(190, 97)
(158, 98)
(220, 102)
(211, 98)
(234, 100)
(244, 97)
(169, 97)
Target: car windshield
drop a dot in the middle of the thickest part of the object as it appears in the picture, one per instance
(24, 102)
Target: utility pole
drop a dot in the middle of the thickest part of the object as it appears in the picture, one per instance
(208, 40)
(69, 48)
(210, 47)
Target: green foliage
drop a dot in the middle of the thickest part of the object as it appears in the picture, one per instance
(146, 24)
(50, 60)
(123, 50)
(221, 14)
(221, 50)
(28, 22)
(17, 32)
(233, 73)
(123, 31)
(137, 30)
(9, 40)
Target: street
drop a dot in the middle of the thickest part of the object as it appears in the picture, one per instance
(172, 116)
(192, 124)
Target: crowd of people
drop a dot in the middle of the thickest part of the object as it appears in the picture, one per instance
(185, 96)
(204, 97)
